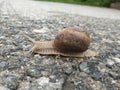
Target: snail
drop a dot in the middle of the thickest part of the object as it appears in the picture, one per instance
(71, 42)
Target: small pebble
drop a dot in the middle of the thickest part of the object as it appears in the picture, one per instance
(3, 64)
(4, 88)
(84, 67)
(117, 60)
(10, 82)
(110, 62)
(34, 71)
(97, 75)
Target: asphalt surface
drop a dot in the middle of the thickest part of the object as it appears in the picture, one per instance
(39, 9)
(20, 71)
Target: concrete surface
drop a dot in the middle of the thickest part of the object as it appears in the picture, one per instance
(38, 9)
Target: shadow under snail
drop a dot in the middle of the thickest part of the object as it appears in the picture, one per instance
(71, 42)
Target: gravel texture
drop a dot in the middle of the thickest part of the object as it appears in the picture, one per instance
(19, 71)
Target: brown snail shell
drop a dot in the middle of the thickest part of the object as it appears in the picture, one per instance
(72, 42)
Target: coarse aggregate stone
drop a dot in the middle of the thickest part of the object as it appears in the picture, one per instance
(19, 71)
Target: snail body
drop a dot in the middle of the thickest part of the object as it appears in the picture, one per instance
(72, 42)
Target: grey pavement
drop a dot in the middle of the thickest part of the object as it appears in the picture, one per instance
(39, 9)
